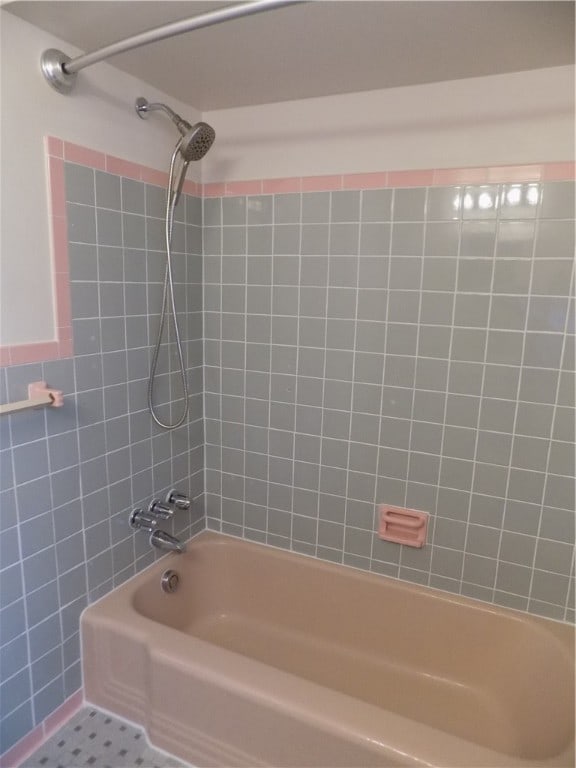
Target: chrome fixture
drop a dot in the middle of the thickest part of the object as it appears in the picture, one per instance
(178, 499)
(53, 63)
(140, 521)
(165, 542)
(158, 509)
(169, 581)
(195, 148)
(195, 141)
(60, 70)
(143, 106)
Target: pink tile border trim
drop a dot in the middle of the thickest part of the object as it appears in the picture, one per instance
(430, 177)
(59, 151)
(244, 187)
(365, 180)
(280, 186)
(21, 751)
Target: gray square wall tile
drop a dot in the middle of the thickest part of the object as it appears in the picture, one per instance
(440, 370)
(361, 347)
(108, 190)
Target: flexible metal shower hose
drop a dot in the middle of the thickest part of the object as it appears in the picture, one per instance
(171, 201)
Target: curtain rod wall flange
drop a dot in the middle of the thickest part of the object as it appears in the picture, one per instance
(52, 64)
(60, 70)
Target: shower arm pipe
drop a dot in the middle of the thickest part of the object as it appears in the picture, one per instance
(60, 70)
(143, 107)
(147, 107)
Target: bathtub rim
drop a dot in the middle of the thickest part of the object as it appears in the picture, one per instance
(472, 602)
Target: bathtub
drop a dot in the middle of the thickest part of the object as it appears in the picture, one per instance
(266, 658)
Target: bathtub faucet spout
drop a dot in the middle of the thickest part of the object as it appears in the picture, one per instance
(166, 542)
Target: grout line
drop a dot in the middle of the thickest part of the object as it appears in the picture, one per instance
(323, 410)
(220, 343)
(245, 350)
(517, 400)
(482, 389)
(451, 360)
(353, 374)
(375, 519)
(409, 450)
(296, 363)
(130, 452)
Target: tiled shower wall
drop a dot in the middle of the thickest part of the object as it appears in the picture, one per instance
(70, 476)
(409, 346)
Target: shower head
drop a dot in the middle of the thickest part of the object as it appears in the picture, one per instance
(196, 139)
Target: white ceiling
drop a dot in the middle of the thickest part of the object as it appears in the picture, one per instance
(318, 48)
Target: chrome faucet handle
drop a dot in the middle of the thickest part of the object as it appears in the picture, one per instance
(158, 509)
(139, 520)
(178, 499)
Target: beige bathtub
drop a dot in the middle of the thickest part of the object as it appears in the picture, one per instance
(263, 657)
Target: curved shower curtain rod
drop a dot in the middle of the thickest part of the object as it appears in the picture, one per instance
(60, 70)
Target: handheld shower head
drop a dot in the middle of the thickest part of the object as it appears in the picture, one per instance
(196, 139)
(194, 142)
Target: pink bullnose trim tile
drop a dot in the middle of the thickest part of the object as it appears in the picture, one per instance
(23, 749)
(63, 713)
(192, 188)
(253, 187)
(5, 355)
(123, 168)
(460, 176)
(152, 176)
(365, 180)
(57, 192)
(321, 183)
(378, 180)
(410, 178)
(32, 353)
(517, 173)
(74, 153)
(65, 333)
(60, 244)
(63, 305)
(280, 186)
(559, 171)
(54, 147)
(214, 189)
(65, 348)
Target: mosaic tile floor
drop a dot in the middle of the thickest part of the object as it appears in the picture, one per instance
(93, 739)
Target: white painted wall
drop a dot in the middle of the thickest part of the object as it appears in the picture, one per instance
(98, 114)
(523, 117)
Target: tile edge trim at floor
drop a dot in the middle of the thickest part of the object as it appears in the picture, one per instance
(15, 756)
